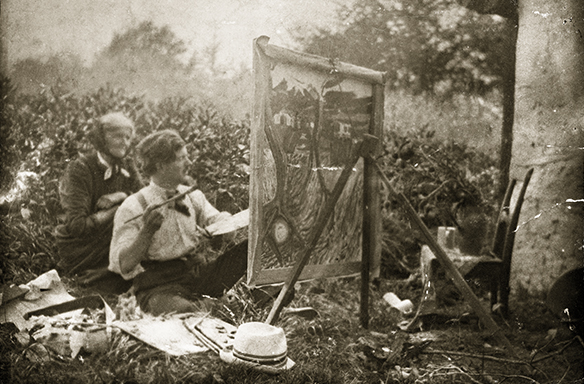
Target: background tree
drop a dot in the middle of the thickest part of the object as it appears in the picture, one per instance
(31, 75)
(423, 45)
(548, 137)
(146, 58)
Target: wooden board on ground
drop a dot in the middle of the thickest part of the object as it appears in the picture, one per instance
(49, 291)
(167, 334)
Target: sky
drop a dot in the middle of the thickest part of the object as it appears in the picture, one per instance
(40, 28)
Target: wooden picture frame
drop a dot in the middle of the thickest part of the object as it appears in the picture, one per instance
(309, 117)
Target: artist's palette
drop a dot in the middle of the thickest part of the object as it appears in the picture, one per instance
(231, 224)
(213, 333)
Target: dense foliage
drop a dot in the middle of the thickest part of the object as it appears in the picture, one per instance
(424, 45)
(145, 57)
(447, 183)
(42, 133)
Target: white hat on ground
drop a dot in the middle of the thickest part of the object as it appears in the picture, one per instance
(261, 346)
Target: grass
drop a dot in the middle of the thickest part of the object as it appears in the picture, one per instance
(331, 348)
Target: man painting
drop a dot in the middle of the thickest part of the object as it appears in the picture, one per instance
(164, 249)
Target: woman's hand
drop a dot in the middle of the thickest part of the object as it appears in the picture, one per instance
(111, 199)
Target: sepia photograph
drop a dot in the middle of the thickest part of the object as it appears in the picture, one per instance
(292, 191)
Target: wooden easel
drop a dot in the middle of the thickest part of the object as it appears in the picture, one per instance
(447, 264)
(440, 254)
(367, 146)
(267, 57)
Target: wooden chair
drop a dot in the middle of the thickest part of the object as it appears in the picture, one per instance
(498, 244)
(495, 269)
(503, 242)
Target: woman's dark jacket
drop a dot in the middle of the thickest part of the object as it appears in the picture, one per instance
(82, 242)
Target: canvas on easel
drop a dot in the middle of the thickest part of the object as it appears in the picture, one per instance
(310, 115)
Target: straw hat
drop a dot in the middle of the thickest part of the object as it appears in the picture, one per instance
(261, 346)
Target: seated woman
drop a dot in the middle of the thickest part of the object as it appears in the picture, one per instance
(91, 191)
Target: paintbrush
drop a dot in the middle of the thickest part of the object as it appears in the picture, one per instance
(176, 197)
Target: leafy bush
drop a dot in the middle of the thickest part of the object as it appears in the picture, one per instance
(447, 183)
(42, 133)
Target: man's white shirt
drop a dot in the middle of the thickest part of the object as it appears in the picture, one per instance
(178, 235)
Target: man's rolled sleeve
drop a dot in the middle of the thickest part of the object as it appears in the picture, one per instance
(124, 235)
(208, 214)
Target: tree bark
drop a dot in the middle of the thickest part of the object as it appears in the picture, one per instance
(508, 89)
(549, 137)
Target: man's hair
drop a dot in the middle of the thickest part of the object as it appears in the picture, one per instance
(158, 148)
(107, 123)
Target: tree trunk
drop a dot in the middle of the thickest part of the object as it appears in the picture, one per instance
(508, 105)
(549, 136)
